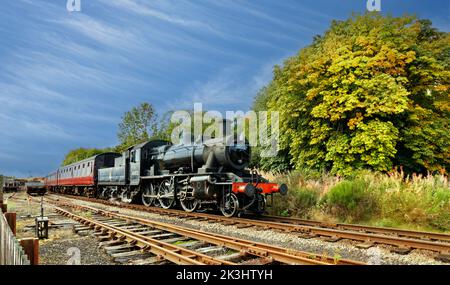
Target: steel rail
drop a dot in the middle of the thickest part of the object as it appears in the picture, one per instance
(170, 252)
(253, 248)
(358, 227)
(356, 234)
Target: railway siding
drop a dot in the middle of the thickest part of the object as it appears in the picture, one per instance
(260, 253)
(342, 248)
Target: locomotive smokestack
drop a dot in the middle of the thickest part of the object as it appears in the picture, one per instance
(226, 128)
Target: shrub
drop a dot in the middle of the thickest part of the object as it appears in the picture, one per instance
(417, 202)
(303, 195)
(422, 201)
(351, 200)
(302, 201)
(299, 202)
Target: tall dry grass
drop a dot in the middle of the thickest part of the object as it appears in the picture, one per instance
(394, 199)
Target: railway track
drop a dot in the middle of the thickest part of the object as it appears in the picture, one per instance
(403, 241)
(442, 237)
(126, 236)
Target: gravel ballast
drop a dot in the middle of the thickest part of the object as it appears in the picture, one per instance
(341, 249)
(63, 245)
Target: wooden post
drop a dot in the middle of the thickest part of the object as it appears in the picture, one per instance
(31, 248)
(1, 194)
(11, 219)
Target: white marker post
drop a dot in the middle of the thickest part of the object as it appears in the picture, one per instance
(1, 194)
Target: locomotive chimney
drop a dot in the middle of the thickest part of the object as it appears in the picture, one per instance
(226, 128)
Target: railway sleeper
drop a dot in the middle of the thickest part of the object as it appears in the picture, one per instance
(233, 257)
(401, 250)
(84, 233)
(332, 238)
(307, 236)
(163, 236)
(149, 261)
(78, 228)
(149, 232)
(110, 243)
(132, 259)
(176, 239)
(212, 250)
(191, 244)
(243, 226)
(133, 228)
(99, 233)
(127, 255)
(365, 245)
(444, 257)
(119, 248)
(104, 238)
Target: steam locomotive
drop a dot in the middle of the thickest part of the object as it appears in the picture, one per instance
(208, 175)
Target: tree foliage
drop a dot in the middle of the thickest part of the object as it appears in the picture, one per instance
(372, 92)
(138, 125)
(82, 153)
(281, 162)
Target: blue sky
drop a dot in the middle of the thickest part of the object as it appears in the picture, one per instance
(67, 78)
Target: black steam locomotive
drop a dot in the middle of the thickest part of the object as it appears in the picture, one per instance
(204, 175)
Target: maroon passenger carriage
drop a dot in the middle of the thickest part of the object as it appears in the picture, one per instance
(79, 177)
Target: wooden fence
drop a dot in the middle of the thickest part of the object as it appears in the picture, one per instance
(11, 252)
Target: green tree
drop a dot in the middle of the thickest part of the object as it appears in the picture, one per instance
(82, 153)
(279, 163)
(138, 125)
(372, 92)
(141, 124)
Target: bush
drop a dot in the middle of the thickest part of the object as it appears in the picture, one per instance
(350, 200)
(423, 201)
(299, 202)
(417, 202)
(303, 195)
(302, 201)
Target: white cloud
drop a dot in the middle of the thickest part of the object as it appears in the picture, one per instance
(226, 89)
(145, 10)
(101, 32)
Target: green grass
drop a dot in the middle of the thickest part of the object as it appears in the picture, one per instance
(391, 200)
(182, 242)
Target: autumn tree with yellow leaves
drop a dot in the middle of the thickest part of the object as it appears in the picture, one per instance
(372, 92)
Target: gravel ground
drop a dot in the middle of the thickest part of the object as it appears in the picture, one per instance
(63, 246)
(73, 250)
(341, 249)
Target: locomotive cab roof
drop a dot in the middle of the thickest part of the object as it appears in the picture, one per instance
(90, 158)
(150, 144)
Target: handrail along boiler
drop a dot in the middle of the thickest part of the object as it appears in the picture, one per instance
(209, 174)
